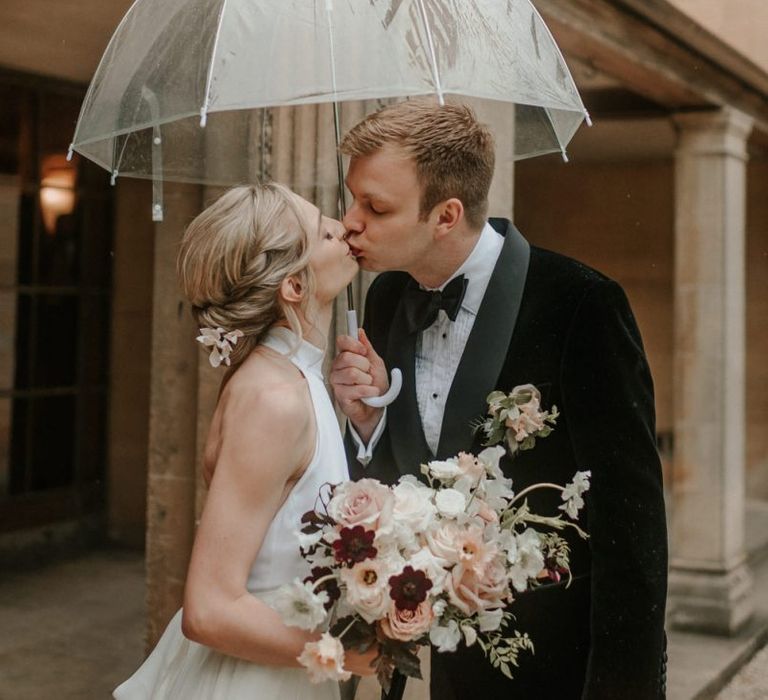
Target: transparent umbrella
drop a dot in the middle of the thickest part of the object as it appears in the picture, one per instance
(181, 75)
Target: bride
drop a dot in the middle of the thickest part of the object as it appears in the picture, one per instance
(261, 268)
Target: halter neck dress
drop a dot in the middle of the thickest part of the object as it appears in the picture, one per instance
(180, 669)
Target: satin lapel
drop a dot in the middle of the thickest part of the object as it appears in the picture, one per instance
(487, 345)
(406, 434)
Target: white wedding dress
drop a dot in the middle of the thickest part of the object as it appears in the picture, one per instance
(180, 669)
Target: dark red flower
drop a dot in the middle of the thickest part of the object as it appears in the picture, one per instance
(331, 586)
(354, 545)
(409, 588)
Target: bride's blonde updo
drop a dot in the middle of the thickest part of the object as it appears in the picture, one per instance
(235, 255)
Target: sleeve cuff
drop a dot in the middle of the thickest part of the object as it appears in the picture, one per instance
(365, 452)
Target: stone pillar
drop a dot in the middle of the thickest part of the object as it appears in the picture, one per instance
(173, 420)
(709, 581)
(500, 117)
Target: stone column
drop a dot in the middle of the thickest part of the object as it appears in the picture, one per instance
(500, 117)
(173, 420)
(710, 583)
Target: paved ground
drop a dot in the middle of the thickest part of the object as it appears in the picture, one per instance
(74, 630)
(751, 683)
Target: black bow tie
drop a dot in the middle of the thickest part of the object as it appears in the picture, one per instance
(422, 306)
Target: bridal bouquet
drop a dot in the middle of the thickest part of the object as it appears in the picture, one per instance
(425, 563)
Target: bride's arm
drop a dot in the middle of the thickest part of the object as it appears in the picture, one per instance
(266, 437)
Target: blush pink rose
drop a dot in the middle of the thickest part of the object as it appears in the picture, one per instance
(463, 586)
(493, 585)
(366, 502)
(406, 625)
(443, 541)
(473, 592)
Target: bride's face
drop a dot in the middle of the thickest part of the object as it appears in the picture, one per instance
(333, 265)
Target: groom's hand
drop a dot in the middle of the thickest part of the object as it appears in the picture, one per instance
(357, 373)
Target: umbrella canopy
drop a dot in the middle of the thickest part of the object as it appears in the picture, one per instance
(173, 66)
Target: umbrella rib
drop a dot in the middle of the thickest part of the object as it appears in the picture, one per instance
(432, 55)
(204, 108)
(587, 118)
(91, 87)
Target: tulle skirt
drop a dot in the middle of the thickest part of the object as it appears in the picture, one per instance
(179, 669)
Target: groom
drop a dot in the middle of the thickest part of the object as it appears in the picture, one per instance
(505, 313)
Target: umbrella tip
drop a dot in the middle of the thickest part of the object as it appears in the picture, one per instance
(564, 154)
(70, 152)
(587, 119)
(203, 117)
(113, 179)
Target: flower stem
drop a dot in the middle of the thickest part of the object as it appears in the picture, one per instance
(347, 628)
(533, 488)
(322, 580)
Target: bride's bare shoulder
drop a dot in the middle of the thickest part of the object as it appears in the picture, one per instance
(265, 398)
(267, 379)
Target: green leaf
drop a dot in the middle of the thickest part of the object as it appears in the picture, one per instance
(384, 669)
(406, 661)
(359, 635)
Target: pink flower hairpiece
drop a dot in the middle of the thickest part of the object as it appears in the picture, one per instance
(222, 343)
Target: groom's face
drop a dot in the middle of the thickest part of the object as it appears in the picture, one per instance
(384, 230)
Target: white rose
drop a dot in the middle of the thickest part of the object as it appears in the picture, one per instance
(444, 470)
(413, 507)
(450, 502)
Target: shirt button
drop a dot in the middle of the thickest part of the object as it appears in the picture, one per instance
(445, 335)
(434, 396)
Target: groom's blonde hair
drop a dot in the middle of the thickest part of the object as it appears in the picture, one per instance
(234, 257)
(453, 152)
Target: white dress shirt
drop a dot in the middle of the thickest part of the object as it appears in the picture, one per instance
(440, 346)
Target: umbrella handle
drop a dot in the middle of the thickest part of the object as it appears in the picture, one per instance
(396, 376)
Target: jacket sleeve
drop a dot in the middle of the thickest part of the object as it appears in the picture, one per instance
(608, 405)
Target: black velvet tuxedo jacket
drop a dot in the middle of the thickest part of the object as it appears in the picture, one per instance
(555, 323)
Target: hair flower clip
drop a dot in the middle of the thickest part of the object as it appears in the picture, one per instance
(222, 343)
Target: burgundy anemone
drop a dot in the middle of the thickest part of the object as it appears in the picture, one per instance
(409, 588)
(354, 545)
